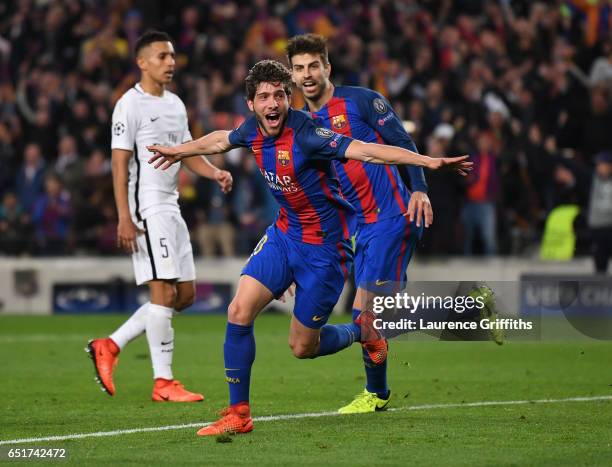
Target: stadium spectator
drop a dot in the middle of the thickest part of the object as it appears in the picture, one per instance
(597, 135)
(8, 158)
(98, 165)
(601, 70)
(600, 211)
(37, 99)
(596, 184)
(479, 214)
(15, 226)
(51, 216)
(467, 64)
(30, 178)
(215, 232)
(90, 204)
(445, 192)
(106, 231)
(69, 164)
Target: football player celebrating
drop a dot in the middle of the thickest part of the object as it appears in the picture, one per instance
(308, 243)
(390, 219)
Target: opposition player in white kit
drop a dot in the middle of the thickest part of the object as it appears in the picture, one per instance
(150, 224)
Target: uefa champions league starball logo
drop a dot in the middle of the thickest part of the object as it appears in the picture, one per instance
(118, 129)
(324, 132)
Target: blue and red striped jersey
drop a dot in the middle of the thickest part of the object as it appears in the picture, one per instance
(297, 165)
(376, 191)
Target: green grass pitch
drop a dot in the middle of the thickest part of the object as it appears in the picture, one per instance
(48, 389)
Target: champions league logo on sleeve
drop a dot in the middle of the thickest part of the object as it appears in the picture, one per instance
(379, 106)
(324, 132)
(118, 129)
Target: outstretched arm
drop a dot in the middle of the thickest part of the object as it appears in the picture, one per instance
(212, 143)
(204, 168)
(382, 154)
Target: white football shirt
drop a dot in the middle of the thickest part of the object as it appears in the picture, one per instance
(141, 119)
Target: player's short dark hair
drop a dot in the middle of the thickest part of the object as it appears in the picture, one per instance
(148, 38)
(313, 44)
(267, 71)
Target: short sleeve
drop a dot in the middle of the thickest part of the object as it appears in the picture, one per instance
(319, 142)
(240, 136)
(124, 126)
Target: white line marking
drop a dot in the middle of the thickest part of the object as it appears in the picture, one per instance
(272, 418)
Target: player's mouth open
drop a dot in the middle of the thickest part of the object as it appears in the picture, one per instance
(309, 85)
(273, 119)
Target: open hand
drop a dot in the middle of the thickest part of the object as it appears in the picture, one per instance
(163, 156)
(459, 164)
(126, 235)
(419, 208)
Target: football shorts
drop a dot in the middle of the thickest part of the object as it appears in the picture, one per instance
(164, 250)
(382, 252)
(319, 272)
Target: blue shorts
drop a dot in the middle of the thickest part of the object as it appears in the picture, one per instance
(319, 272)
(382, 252)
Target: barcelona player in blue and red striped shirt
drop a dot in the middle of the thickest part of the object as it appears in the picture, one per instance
(390, 219)
(308, 244)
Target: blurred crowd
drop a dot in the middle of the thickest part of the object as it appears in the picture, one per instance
(525, 87)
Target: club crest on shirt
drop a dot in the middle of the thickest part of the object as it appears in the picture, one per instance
(283, 157)
(338, 122)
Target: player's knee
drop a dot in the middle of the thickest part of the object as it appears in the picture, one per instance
(168, 296)
(184, 300)
(238, 313)
(302, 349)
(165, 295)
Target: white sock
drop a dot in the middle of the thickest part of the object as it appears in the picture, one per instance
(160, 336)
(132, 328)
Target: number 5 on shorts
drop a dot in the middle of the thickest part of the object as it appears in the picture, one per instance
(162, 243)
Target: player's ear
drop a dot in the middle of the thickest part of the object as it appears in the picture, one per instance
(327, 69)
(291, 71)
(250, 104)
(141, 60)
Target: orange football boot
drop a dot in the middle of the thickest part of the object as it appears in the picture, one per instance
(371, 339)
(235, 419)
(173, 391)
(103, 353)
